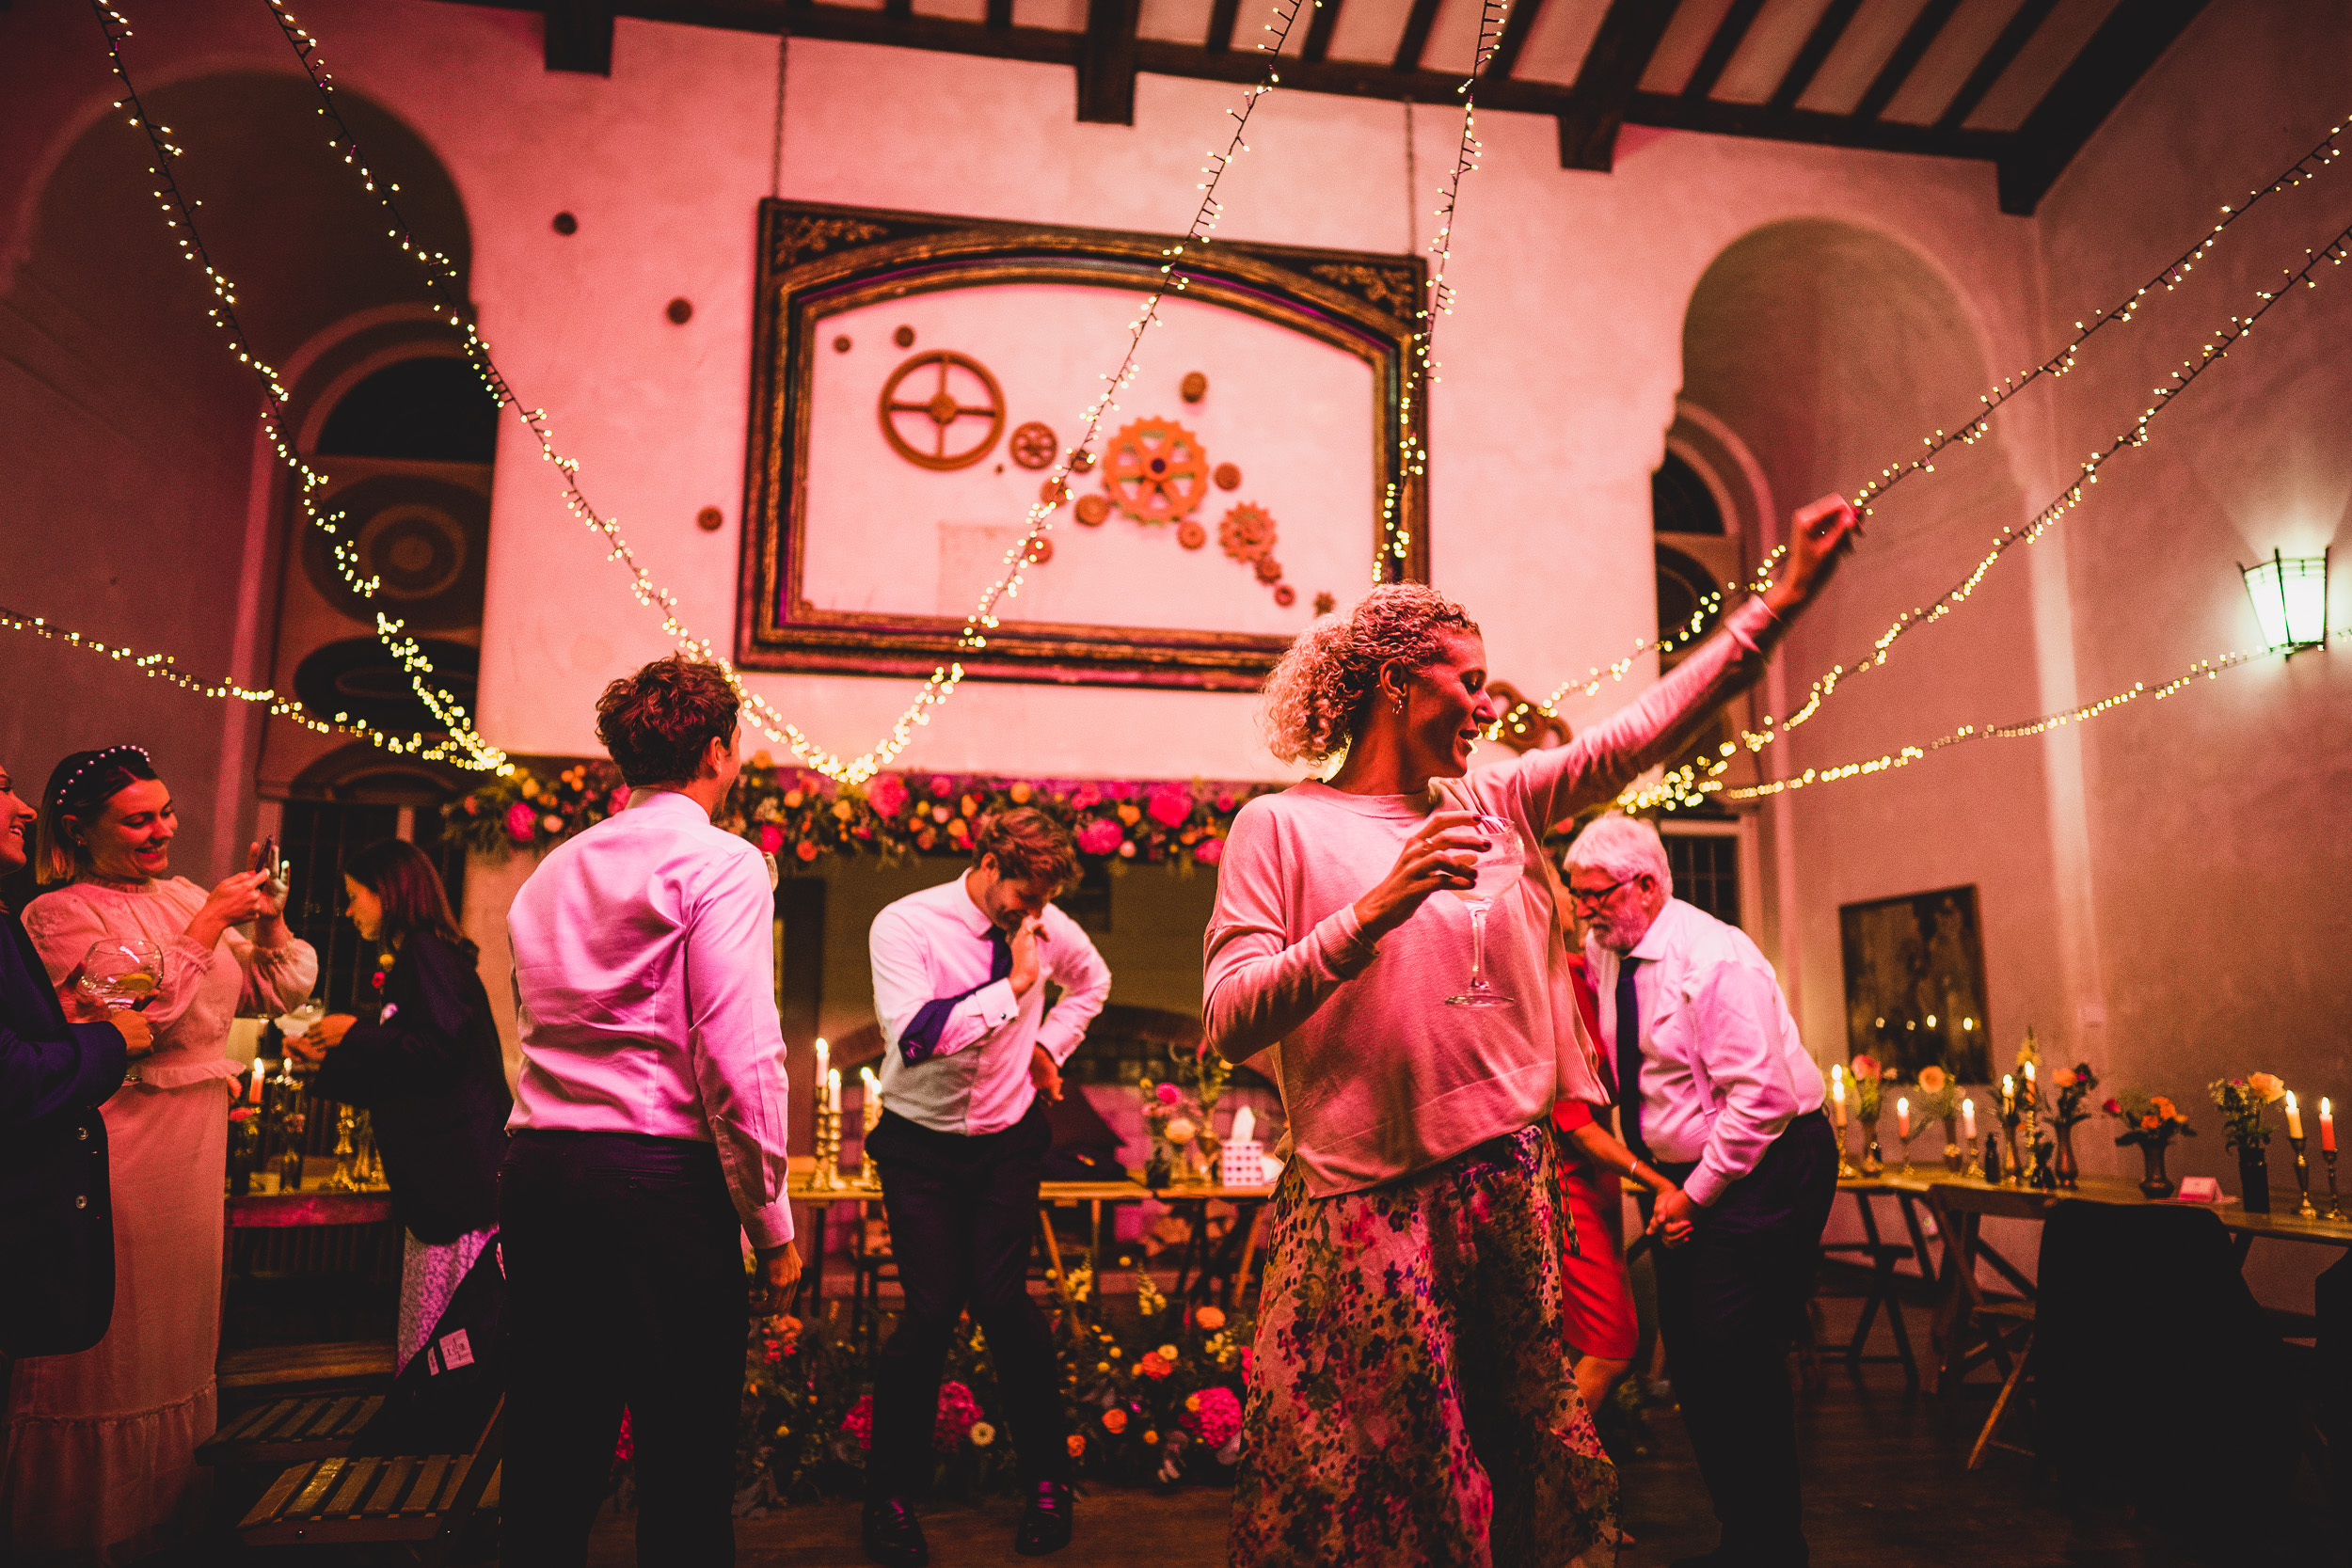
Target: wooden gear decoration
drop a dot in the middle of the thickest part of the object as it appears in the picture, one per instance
(1155, 471)
(943, 409)
(1034, 445)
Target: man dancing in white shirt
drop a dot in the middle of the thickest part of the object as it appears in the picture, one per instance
(648, 1136)
(958, 983)
(1716, 1090)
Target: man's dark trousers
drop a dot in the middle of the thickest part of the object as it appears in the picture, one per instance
(624, 1288)
(963, 1214)
(1729, 1302)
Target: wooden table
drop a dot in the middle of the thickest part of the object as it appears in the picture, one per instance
(1961, 1204)
(1050, 1194)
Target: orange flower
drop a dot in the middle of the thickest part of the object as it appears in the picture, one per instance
(1130, 813)
(1932, 1078)
(2266, 1087)
(1210, 1317)
(1077, 1445)
(2063, 1078)
(2149, 1122)
(1113, 1420)
(1151, 1366)
(807, 850)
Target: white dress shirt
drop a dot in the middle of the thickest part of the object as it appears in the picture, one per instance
(644, 976)
(1722, 1070)
(932, 946)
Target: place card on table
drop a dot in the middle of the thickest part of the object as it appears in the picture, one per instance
(2200, 1189)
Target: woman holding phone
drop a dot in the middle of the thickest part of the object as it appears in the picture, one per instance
(102, 1446)
(429, 1071)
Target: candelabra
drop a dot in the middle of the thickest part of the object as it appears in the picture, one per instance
(2302, 1178)
(2335, 1208)
(343, 1181)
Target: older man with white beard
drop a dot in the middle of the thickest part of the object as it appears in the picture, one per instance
(1714, 1088)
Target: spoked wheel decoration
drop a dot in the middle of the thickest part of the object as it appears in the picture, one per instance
(1155, 471)
(930, 420)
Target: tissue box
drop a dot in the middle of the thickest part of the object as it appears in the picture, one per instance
(1242, 1165)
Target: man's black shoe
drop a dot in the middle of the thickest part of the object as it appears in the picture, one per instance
(892, 1537)
(1045, 1523)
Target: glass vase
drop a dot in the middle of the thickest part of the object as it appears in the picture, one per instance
(2062, 1164)
(2253, 1177)
(2154, 1185)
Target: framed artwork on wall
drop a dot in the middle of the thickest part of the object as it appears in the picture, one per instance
(917, 380)
(1915, 982)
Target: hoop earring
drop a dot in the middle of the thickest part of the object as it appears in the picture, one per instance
(1400, 708)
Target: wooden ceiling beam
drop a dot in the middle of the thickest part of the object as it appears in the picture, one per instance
(1416, 35)
(1673, 112)
(1917, 39)
(1107, 64)
(2020, 30)
(1818, 43)
(1505, 60)
(2130, 40)
(1222, 18)
(578, 36)
(1726, 43)
(1607, 80)
(1319, 28)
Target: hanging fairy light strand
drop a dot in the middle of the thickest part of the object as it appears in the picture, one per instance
(164, 667)
(2168, 278)
(1396, 540)
(440, 274)
(1690, 786)
(179, 214)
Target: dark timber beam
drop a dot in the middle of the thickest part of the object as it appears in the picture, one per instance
(1675, 111)
(580, 36)
(1319, 28)
(2014, 39)
(1726, 43)
(999, 15)
(1905, 59)
(1222, 18)
(1611, 75)
(2119, 54)
(1505, 58)
(1416, 35)
(1818, 43)
(1107, 64)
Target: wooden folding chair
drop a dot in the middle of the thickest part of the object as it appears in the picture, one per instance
(422, 1501)
(2008, 1327)
(285, 1431)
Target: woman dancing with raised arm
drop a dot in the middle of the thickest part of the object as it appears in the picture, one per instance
(1408, 1402)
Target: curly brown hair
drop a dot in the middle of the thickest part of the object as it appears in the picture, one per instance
(656, 722)
(1317, 696)
(1029, 845)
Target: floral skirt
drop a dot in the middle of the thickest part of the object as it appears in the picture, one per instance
(1410, 1402)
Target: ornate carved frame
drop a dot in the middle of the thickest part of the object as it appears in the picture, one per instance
(817, 260)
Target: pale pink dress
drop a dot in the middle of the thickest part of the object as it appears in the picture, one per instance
(100, 1446)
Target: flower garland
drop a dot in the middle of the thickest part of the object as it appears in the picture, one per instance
(797, 814)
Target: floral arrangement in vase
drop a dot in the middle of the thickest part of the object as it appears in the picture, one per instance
(2152, 1122)
(1939, 1101)
(1867, 1106)
(2240, 1100)
(797, 814)
(2073, 1086)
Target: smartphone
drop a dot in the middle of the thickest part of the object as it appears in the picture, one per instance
(267, 859)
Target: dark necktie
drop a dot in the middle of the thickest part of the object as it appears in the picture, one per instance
(921, 1036)
(1629, 1059)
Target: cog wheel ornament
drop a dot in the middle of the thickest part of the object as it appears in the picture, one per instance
(1247, 534)
(1155, 471)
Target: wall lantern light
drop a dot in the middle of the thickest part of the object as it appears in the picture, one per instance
(2290, 595)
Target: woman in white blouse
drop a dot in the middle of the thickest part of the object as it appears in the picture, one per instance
(100, 1446)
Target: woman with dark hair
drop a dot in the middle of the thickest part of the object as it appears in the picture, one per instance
(102, 1446)
(428, 1071)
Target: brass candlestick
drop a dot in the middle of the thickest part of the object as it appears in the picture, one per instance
(1906, 1137)
(2303, 1180)
(346, 1121)
(869, 1114)
(826, 1177)
(1846, 1171)
(1974, 1169)
(2335, 1208)
(2029, 1133)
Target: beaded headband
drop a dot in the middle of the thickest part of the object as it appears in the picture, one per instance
(65, 791)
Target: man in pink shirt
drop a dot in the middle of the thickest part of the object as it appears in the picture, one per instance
(647, 1138)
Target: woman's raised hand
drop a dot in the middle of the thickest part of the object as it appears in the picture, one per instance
(1442, 855)
(238, 898)
(1820, 536)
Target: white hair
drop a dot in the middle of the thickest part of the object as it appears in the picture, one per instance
(1620, 847)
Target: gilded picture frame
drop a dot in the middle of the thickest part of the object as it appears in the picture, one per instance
(816, 261)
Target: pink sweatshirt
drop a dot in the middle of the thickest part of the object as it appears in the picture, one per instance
(1379, 1077)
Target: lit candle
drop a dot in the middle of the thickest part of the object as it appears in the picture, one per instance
(2327, 1126)
(2028, 1080)
(2294, 1118)
(1837, 1099)
(824, 1051)
(872, 1105)
(1968, 1119)
(832, 1090)
(1902, 1118)
(2009, 1094)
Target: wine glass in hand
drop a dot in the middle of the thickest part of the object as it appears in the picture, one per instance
(1498, 865)
(121, 973)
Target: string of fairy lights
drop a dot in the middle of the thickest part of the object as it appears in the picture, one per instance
(441, 275)
(467, 748)
(164, 667)
(1396, 540)
(2168, 278)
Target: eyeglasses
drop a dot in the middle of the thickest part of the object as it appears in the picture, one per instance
(1595, 897)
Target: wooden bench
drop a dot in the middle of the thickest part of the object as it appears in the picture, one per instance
(424, 1500)
(285, 1431)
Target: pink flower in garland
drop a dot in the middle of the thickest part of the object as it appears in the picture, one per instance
(1209, 851)
(1225, 801)
(770, 838)
(1218, 1419)
(942, 786)
(626, 1448)
(1086, 795)
(859, 1422)
(887, 794)
(1100, 836)
(620, 798)
(958, 1411)
(1169, 806)
(1168, 1094)
(521, 821)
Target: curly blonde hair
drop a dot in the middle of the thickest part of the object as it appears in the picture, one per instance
(1323, 685)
